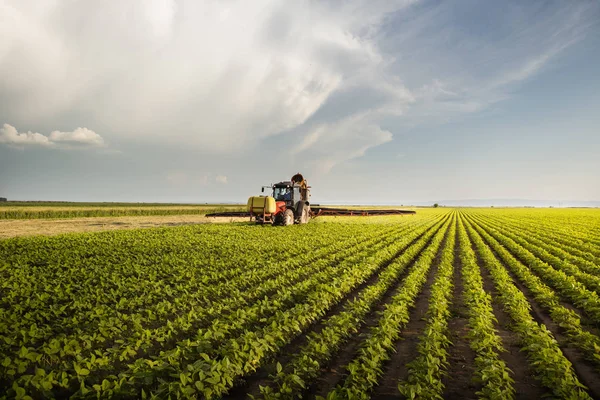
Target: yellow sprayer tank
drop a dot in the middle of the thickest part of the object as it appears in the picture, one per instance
(261, 204)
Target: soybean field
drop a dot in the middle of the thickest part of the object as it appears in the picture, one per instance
(21, 210)
(445, 304)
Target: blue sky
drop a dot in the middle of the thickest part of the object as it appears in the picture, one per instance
(374, 101)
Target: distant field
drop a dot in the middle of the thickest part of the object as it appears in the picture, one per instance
(91, 204)
(447, 303)
(61, 210)
(37, 210)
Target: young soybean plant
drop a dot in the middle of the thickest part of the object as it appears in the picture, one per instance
(366, 368)
(491, 370)
(565, 284)
(426, 371)
(307, 364)
(545, 356)
(548, 299)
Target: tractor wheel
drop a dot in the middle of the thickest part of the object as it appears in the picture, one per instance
(278, 219)
(304, 215)
(288, 217)
(303, 212)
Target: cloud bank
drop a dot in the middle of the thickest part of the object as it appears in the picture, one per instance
(222, 77)
(79, 138)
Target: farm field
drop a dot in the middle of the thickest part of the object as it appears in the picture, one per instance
(448, 303)
(45, 210)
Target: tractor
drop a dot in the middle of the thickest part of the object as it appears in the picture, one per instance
(288, 203)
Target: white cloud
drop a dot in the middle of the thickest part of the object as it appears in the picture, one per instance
(220, 77)
(221, 179)
(80, 138)
(213, 75)
(9, 135)
(330, 144)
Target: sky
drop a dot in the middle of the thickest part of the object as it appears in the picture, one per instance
(375, 102)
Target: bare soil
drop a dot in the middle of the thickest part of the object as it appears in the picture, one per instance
(48, 227)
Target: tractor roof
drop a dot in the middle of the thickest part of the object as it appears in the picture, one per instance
(284, 184)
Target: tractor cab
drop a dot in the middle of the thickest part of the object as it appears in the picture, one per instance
(286, 191)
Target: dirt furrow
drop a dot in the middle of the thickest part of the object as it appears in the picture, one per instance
(525, 383)
(334, 373)
(459, 381)
(396, 369)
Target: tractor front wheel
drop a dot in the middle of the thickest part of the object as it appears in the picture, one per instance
(288, 217)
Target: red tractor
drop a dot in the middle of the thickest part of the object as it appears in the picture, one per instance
(287, 205)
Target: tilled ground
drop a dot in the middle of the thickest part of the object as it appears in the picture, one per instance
(30, 227)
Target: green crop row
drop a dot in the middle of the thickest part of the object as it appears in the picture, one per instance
(564, 317)
(574, 248)
(551, 366)
(572, 224)
(543, 251)
(306, 365)
(212, 374)
(366, 368)
(568, 286)
(585, 260)
(491, 371)
(425, 372)
(143, 339)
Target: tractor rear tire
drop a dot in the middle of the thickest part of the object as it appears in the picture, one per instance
(288, 217)
(302, 212)
(304, 215)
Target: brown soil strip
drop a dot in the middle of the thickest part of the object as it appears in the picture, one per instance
(50, 227)
(459, 381)
(250, 385)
